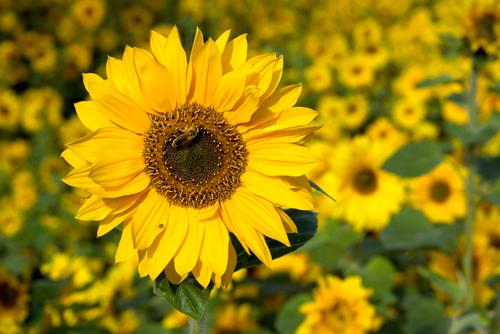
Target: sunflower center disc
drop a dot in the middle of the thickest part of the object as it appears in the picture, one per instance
(365, 182)
(440, 191)
(8, 296)
(194, 156)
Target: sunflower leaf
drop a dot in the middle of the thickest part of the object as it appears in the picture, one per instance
(440, 79)
(307, 225)
(315, 186)
(189, 297)
(415, 159)
(289, 318)
(451, 288)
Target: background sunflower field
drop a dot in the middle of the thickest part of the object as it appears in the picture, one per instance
(409, 97)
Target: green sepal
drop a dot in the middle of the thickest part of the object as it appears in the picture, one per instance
(438, 80)
(189, 297)
(415, 159)
(307, 225)
(315, 186)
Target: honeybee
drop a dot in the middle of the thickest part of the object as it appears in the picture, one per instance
(188, 134)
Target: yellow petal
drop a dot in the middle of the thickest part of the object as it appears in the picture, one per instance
(277, 73)
(189, 252)
(231, 265)
(281, 99)
(172, 275)
(91, 77)
(150, 219)
(157, 42)
(245, 111)
(281, 159)
(144, 264)
(215, 246)
(288, 118)
(91, 117)
(207, 72)
(94, 208)
(293, 135)
(274, 190)
(260, 214)
(72, 158)
(116, 169)
(79, 177)
(174, 58)
(119, 108)
(134, 186)
(290, 226)
(109, 140)
(235, 53)
(112, 221)
(230, 89)
(222, 40)
(125, 249)
(197, 44)
(245, 232)
(156, 83)
(202, 273)
(167, 242)
(191, 79)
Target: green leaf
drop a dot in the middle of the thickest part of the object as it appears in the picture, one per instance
(414, 159)
(189, 297)
(315, 186)
(452, 289)
(487, 167)
(479, 135)
(440, 79)
(469, 321)
(460, 99)
(427, 317)
(410, 229)
(378, 274)
(289, 317)
(493, 195)
(331, 243)
(307, 224)
(495, 87)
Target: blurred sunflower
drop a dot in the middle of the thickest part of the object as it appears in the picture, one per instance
(340, 307)
(353, 112)
(384, 131)
(367, 196)
(408, 112)
(89, 13)
(9, 110)
(439, 194)
(185, 153)
(13, 298)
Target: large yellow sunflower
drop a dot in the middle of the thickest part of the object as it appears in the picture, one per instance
(184, 153)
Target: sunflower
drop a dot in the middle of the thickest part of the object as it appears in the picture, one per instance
(366, 195)
(183, 154)
(339, 306)
(13, 298)
(439, 194)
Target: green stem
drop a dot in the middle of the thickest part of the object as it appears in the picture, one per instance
(470, 187)
(197, 327)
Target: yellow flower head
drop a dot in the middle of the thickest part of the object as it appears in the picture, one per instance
(318, 77)
(366, 196)
(354, 112)
(10, 217)
(408, 112)
(385, 132)
(356, 72)
(184, 153)
(9, 110)
(89, 13)
(340, 307)
(439, 194)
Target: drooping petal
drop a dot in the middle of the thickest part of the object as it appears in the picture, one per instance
(119, 108)
(290, 226)
(92, 118)
(245, 232)
(134, 186)
(215, 245)
(125, 249)
(144, 263)
(189, 252)
(156, 83)
(231, 265)
(72, 158)
(150, 220)
(172, 275)
(174, 58)
(116, 169)
(281, 159)
(235, 54)
(168, 242)
(111, 140)
(274, 190)
(207, 71)
(202, 273)
(79, 177)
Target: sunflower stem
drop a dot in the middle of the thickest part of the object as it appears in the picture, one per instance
(470, 186)
(197, 326)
